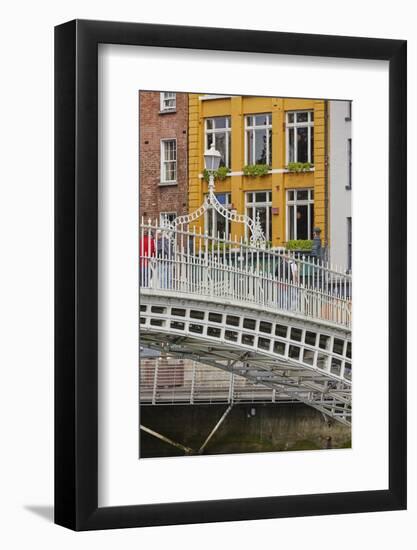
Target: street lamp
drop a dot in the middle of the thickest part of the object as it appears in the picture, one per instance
(211, 162)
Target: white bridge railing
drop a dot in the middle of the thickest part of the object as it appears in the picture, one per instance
(187, 261)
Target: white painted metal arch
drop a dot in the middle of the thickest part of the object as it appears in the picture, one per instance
(295, 356)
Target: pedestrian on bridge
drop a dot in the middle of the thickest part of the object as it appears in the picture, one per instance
(165, 255)
(146, 254)
(286, 273)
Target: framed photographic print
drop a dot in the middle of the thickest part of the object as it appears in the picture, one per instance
(230, 275)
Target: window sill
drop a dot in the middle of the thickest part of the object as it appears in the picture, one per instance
(273, 171)
(167, 111)
(286, 171)
(167, 183)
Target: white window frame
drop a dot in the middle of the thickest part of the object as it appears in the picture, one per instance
(295, 202)
(262, 204)
(163, 181)
(253, 128)
(288, 125)
(163, 99)
(214, 131)
(171, 216)
(212, 212)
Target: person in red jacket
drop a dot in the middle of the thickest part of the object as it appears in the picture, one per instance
(146, 252)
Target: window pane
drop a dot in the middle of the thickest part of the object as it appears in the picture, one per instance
(169, 150)
(168, 100)
(302, 195)
(302, 139)
(221, 224)
(209, 124)
(290, 118)
(166, 150)
(302, 222)
(220, 122)
(260, 197)
(261, 120)
(169, 171)
(312, 145)
(311, 219)
(290, 195)
(291, 145)
(262, 218)
(249, 145)
(209, 140)
(312, 116)
(302, 117)
(220, 144)
(269, 160)
(209, 219)
(291, 222)
(260, 147)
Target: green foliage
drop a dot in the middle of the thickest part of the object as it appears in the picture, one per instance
(220, 174)
(299, 244)
(255, 170)
(299, 166)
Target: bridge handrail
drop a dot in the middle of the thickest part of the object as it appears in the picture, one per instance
(222, 244)
(190, 261)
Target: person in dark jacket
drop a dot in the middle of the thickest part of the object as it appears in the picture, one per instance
(316, 249)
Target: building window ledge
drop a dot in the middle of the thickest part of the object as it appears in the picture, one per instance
(167, 183)
(286, 171)
(167, 111)
(273, 171)
(208, 97)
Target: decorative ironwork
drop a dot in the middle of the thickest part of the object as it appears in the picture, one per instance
(257, 237)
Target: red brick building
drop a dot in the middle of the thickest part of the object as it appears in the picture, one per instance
(163, 122)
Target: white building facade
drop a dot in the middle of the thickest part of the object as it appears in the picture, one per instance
(340, 183)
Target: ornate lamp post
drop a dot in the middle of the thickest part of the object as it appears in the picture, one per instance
(212, 159)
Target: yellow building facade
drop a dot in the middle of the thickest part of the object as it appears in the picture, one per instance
(271, 131)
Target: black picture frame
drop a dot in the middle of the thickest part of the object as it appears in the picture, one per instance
(76, 272)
